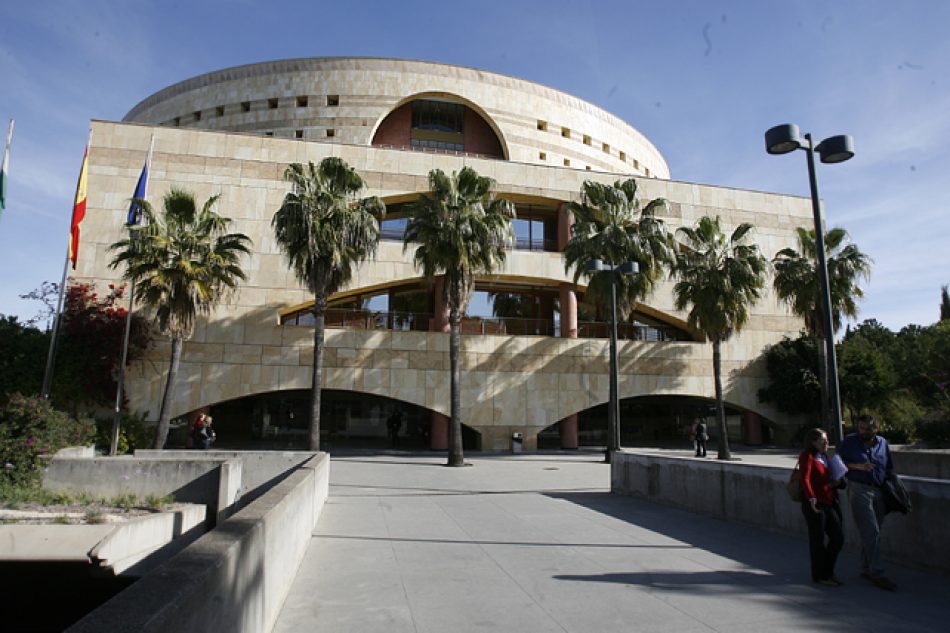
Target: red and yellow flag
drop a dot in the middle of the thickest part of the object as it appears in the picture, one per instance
(79, 209)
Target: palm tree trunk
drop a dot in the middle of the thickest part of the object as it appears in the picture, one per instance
(319, 318)
(164, 414)
(456, 458)
(723, 443)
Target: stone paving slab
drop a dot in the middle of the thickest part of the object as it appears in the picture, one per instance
(536, 543)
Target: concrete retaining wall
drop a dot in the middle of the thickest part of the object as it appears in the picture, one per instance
(232, 579)
(212, 482)
(755, 494)
(931, 463)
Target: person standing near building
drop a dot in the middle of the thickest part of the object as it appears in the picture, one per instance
(820, 508)
(701, 438)
(868, 458)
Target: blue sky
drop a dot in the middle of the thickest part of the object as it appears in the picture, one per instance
(703, 80)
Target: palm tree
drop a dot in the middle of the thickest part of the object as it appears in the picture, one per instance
(183, 262)
(610, 225)
(461, 230)
(719, 279)
(796, 283)
(325, 230)
(796, 278)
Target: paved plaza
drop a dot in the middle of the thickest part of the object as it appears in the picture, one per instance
(537, 543)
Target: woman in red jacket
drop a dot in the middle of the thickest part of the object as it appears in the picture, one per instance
(821, 509)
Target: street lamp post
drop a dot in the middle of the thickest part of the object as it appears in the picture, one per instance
(783, 139)
(613, 405)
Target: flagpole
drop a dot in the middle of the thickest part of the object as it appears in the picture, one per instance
(117, 418)
(51, 355)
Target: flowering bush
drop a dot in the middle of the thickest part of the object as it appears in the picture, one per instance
(30, 428)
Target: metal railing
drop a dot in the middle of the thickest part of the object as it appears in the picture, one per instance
(501, 326)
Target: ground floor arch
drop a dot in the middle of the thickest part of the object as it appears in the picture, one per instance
(658, 420)
(279, 420)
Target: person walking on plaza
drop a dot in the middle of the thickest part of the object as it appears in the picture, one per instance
(868, 458)
(820, 508)
(701, 438)
(206, 435)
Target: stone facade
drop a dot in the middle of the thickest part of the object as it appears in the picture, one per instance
(509, 383)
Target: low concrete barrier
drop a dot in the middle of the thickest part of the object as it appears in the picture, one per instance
(232, 579)
(930, 463)
(212, 482)
(755, 494)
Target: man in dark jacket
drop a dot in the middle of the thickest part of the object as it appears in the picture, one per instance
(868, 458)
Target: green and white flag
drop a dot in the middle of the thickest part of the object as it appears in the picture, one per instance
(5, 168)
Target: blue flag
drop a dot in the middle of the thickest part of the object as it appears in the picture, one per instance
(135, 209)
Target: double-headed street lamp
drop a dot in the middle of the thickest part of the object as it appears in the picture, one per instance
(783, 139)
(613, 407)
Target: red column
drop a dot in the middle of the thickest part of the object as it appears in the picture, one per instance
(568, 426)
(751, 428)
(439, 432)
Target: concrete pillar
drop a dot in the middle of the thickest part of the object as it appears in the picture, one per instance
(439, 432)
(751, 428)
(440, 317)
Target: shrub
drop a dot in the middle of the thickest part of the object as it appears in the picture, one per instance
(133, 434)
(934, 428)
(30, 428)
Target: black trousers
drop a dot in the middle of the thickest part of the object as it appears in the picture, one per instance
(824, 553)
(700, 447)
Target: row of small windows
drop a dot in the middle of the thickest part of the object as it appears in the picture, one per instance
(302, 101)
(586, 139)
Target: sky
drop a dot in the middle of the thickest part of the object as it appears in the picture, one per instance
(701, 79)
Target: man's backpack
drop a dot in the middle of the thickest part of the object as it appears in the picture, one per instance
(794, 485)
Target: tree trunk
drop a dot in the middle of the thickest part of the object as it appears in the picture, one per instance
(723, 452)
(164, 414)
(456, 458)
(319, 318)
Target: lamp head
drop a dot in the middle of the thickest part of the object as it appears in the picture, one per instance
(594, 266)
(629, 268)
(783, 139)
(836, 149)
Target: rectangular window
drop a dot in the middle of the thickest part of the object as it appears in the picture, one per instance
(587, 167)
(636, 164)
(268, 133)
(542, 156)
(219, 111)
(567, 162)
(245, 106)
(586, 140)
(198, 115)
(606, 148)
(333, 100)
(623, 157)
(302, 101)
(331, 133)
(543, 125)
(176, 121)
(272, 103)
(298, 133)
(566, 132)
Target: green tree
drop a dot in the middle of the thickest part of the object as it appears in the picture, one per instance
(183, 262)
(944, 304)
(719, 279)
(867, 379)
(796, 283)
(325, 230)
(23, 359)
(461, 231)
(792, 366)
(611, 225)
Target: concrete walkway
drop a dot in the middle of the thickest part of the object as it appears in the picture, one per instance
(534, 543)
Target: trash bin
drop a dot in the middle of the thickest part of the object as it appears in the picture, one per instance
(517, 442)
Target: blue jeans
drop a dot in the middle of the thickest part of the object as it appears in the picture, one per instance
(867, 507)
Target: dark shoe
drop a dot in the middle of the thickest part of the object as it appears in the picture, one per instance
(827, 582)
(837, 581)
(884, 583)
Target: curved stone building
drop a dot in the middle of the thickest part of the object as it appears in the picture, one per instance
(534, 352)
